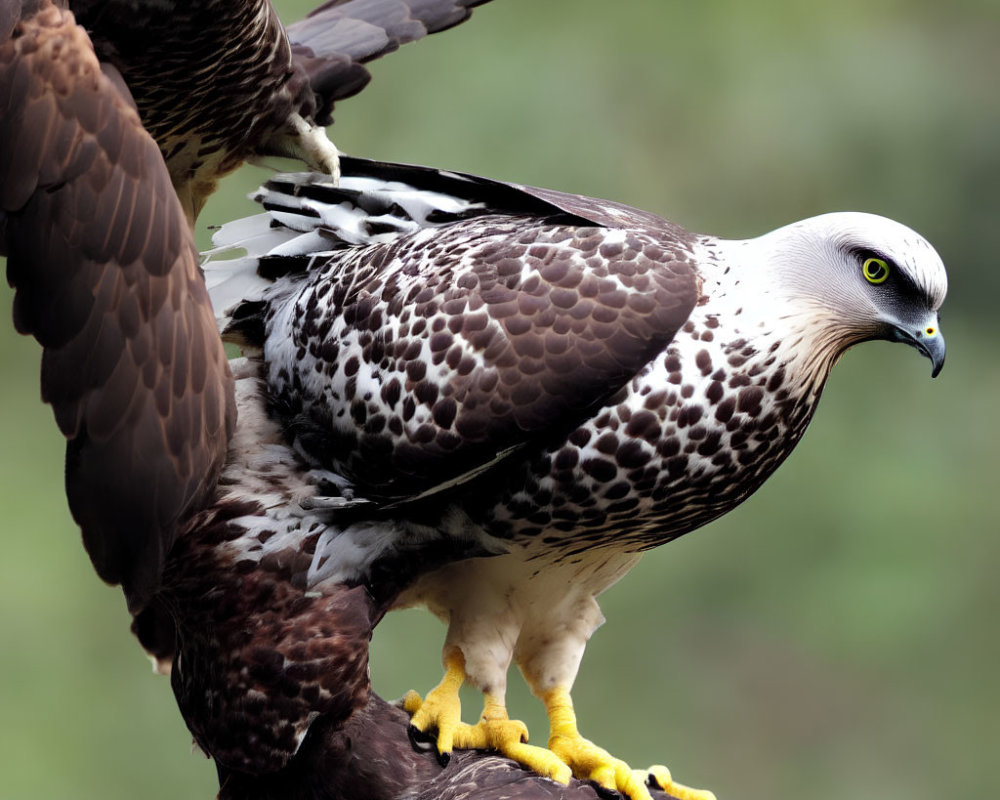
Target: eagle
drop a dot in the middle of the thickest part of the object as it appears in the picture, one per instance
(490, 399)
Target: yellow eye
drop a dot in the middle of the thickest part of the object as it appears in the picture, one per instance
(875, 270)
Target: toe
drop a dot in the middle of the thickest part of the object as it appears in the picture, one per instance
(605, 776)
(412, 702)
(658, 776)
(518, 731)
(445, 742)
(437, 712)
(540, 760)
(470, 737)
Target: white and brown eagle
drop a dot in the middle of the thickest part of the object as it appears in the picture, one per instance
(489, 400)
(475, 396)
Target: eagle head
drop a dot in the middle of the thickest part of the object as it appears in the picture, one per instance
(859, 277)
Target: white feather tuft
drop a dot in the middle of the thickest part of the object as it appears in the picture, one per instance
(310, 215)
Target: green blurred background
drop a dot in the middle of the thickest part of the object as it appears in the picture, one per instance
(835, 637)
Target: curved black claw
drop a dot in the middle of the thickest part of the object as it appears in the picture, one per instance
(604, 792)
(421, 741)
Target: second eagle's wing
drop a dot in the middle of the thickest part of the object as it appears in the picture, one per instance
(338, 37)
(107, 280)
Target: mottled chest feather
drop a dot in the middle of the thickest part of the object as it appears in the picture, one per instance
(691, 436)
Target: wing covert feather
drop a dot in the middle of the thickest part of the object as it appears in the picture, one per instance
(419, 362)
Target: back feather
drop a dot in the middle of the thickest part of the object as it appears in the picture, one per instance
(308, 217)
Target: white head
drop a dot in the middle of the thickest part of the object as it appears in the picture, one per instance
(859, 277)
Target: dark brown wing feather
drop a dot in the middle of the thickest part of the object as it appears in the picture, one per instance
(333, 42)
(217, 82)
(107, 280)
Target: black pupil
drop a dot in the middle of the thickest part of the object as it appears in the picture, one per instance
(876, 269)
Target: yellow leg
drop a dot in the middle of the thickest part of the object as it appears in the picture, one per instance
(496, 731)
(590, 762)
(442, 709)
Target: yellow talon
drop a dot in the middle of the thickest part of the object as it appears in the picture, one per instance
(496, 731)
(568, 753)
(412, 702)
(660, 775)
(442, 708)
(588, 761)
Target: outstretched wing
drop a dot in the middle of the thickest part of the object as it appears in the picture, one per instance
(336, 39)
(218, 81)
(453, 320)
(107, 280)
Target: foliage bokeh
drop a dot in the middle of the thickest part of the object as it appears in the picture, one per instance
(837, 635)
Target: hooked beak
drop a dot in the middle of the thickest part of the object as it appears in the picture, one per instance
(927, 339)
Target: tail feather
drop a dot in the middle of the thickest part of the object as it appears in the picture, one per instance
(308, 217)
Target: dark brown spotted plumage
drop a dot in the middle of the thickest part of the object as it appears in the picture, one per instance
(552, 360)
